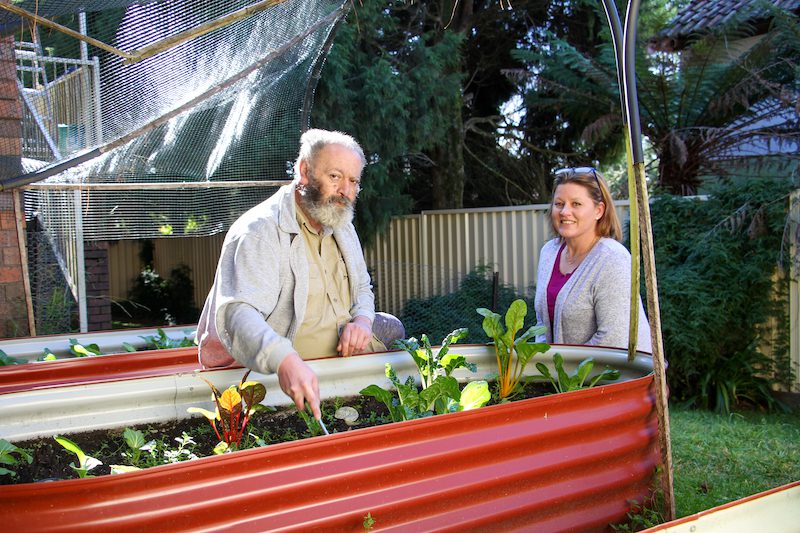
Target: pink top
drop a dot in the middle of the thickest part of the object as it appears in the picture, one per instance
(557, 281)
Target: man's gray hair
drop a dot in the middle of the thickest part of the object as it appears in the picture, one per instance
(312, 141)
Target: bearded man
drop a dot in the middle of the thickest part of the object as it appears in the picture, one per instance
(291, 282)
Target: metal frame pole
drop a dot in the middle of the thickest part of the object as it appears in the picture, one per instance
(625, 50)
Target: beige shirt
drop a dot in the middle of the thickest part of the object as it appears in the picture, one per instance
(328, 305)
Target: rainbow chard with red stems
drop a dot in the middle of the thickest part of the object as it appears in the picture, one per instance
(234, 406)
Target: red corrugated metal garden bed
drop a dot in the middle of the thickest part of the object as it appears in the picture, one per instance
(562, 462)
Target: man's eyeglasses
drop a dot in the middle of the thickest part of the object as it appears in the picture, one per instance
(566, 173)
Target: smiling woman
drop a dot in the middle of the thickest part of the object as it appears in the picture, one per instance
(583, 293)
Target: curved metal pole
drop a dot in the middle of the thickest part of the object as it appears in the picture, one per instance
(633, 214)
(625, 51)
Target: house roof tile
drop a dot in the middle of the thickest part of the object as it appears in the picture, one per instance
(704, 15)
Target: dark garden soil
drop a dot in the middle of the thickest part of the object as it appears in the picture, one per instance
(51, 461)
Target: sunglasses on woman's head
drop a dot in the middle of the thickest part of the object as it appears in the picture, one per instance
(566, 173)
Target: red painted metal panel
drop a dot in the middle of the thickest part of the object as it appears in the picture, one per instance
(565, 462)
(95, 369)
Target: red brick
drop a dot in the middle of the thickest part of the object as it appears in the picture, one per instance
(10, 274)
(14, 292)
(8, 220)
(10, 147)
(11, 256)
(10, 109)
(8, 238)
(7, 46)
(10, 127)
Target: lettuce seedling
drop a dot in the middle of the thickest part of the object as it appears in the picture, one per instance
(440, 391)
(135, 441)
(513, 355)
(7, 360)
(85, 462)
(11, 455)
(83, 350)
(164, 342)
(233, 409)
(565, 382)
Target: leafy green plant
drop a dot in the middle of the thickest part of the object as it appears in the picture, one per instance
(7, 360)
(171, 300)
(233, 409)
(368, 523)
(513, 354)
(11, 455)
(163, 342)
(440, 391)
(85, 462)
(437, 314)
(83, 350)
(565, 382)
(134, 439)
(737, 381)
(313, 425)
(721, 284)
(47, 355)
(643, 516)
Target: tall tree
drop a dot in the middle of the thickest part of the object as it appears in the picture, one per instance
(420, 84)
(391, 85)
(697, 113)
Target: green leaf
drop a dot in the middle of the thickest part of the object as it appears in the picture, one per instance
(133, 438)
(129, 347)
(72, 447)
(491, 323)
(453, 361)
(475, 394)
(252, 392)
(564, 380)
(515, 316)
(583, 371)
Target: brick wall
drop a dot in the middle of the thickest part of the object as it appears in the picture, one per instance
(98, 301)
(13, 311)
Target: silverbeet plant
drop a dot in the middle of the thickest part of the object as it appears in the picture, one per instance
(11, 455)
(566, 382)
(440, 392)
(233, 409)
(513, 353)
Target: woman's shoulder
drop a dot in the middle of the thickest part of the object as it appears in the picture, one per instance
(613, 247)
(613, 252)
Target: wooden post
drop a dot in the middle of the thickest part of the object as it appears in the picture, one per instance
(19, 215)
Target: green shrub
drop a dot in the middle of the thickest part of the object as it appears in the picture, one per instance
(164, 301)
(437, 314)
(715, 261)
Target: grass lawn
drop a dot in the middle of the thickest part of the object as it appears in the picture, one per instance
(721, 458)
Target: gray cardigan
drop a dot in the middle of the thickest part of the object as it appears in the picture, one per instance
(258, 299)
(593, 307)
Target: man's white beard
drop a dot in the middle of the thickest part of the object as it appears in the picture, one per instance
(330, 213)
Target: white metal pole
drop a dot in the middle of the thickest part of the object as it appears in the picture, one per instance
(80, 274)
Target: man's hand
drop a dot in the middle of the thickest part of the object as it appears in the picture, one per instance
(355, 336)
(299, 383)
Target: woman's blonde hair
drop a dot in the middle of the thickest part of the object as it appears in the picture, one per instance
(591, 180)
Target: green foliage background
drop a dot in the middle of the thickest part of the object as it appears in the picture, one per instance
(716, 260)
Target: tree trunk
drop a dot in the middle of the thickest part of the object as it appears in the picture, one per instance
(447, 174)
